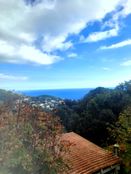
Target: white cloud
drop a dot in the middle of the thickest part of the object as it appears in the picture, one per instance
(47, 23)
(126, 63)
(27, 37)
(51, 44)
(6, 49)
(113, 82)
(97, 36)
(113, 23)
(11, 77)
(106, 69)
(127, 7)
(117, 45)
(72, 55)
(29, 53)
(25, 53)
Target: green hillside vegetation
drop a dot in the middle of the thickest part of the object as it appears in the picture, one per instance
(30, 142)
(99, 109)
(8, 96)
(104, 117)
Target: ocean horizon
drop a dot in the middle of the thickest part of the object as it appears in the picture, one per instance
(73, 94)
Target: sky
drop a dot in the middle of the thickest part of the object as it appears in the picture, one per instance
(59, 44)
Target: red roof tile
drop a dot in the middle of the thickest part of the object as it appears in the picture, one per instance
(85, 157)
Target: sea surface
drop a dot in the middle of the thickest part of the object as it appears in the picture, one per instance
(73, 94)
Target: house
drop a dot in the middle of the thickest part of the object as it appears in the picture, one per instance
(85, 157)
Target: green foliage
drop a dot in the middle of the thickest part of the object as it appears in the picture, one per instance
(7, 96)
(126, 156)
(104, 117)
(30, 142)
(91, 115)
(126, 87)
(121, 133)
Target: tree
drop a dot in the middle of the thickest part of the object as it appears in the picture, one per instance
(8, 96)
(121, 133)
(30, 142)
(91, 115)
(126, 87)
(122, 129)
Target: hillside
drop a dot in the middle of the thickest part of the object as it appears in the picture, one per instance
(8, 96)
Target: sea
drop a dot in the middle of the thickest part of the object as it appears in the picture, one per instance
(72, 94)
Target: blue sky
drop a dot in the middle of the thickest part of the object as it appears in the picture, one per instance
(53, 44)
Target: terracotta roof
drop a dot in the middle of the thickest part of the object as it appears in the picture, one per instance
(85, 157)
